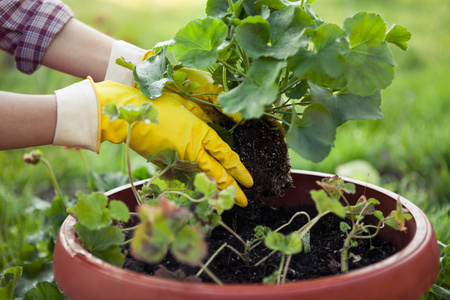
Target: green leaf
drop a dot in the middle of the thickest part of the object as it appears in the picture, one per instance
(205, 184)
(146, 113)
(313, 136)
(250, 99)
(278, 37)
(30, 280)
(441, 292)
(91, 210)
(225, 200)
(197, 44)
(151, 243)
(8, 282)
(370, 65)
(102, 243)
(119, 211)
(363, 206)
(344, 227)
(326, 59)
(379, 215)
(275, 4)
(325, 203)
(45, 291)
(335, 186)
(189, 246)
(344, 107)
(217, 8)
(110, 110)
(399, 36)
(261, 232)
(224, 134)
(149, 75)
(172, 165)
(294, 244)
(180, 79)
(123, 63)
(158, 228)
(398, 217)
(253, 35)
(288, 245)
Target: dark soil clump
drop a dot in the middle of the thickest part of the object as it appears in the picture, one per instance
(264, 152)
(323, 260)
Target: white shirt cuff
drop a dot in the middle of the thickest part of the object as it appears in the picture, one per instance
(131, 54)
(77, 123)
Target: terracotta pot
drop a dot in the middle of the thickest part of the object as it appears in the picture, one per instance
(406, 275)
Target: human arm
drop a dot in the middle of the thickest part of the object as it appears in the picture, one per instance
(75, 119)
(38, 32)
(26, 120)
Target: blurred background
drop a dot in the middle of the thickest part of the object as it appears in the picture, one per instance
(408, 151)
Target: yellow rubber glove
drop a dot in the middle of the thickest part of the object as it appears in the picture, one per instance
(178, 128)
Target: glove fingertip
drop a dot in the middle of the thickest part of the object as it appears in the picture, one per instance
(241, 199)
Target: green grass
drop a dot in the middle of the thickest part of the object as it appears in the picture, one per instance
(410, 146)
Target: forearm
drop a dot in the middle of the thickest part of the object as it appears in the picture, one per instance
(26, 120)
(79, 50)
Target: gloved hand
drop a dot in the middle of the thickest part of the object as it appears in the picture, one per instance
(81, 124)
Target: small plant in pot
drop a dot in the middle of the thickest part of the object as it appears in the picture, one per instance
(276, 66)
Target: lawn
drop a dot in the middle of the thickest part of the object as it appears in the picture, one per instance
(408, 151)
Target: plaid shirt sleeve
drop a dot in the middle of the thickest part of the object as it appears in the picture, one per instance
(28, 26)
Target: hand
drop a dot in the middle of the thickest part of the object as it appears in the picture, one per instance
(178, 128)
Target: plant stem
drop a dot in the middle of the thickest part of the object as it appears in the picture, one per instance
(344, 251)
(292, 219)
(129, 228)
(231, 68)
(277, 118)
(156, 176)
(232, 232)
(244, 56)
(286, 268)
(265, 258)
(283, 259)
(55, 183)
(290, 85)
(224, 81)
(125, 243)
(237, 253)
(211, 274)
(211, 259)
(124, 158)
(230, 3)
(83, 160)
(130, 177)
(185, 195)
(193, 97)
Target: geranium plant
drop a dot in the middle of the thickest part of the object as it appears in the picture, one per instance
(278, 59)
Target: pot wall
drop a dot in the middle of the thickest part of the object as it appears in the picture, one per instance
(406, 275)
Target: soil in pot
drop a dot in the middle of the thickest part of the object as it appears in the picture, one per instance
(323, 260)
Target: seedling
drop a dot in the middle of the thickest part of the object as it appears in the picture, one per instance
(335, 189)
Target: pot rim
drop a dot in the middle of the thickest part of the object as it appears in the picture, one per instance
(422, 237)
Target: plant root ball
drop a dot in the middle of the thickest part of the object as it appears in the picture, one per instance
(264, 152)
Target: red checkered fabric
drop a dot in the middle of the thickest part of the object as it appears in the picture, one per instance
(28, 26)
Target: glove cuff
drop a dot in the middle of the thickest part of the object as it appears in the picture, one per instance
(77, 117)
(130, 53)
